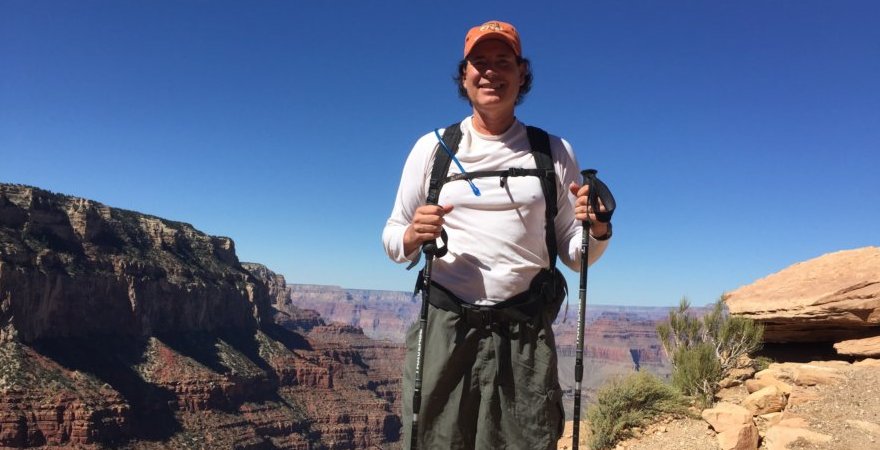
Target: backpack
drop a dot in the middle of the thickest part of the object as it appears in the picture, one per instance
(539, 141)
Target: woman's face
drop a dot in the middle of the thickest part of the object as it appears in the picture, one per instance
(493, 76)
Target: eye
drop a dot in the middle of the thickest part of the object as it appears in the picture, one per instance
(479, 64)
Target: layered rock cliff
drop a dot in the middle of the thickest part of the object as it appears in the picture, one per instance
(381, 314)
(80, 268)
(125, 330)
(831, 298)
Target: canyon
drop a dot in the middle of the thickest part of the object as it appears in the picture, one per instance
(124, 330)
(127, 330)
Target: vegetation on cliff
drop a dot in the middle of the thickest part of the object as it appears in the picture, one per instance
(705, 350)
(630, 402)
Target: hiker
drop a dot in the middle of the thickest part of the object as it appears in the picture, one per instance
(489, 378)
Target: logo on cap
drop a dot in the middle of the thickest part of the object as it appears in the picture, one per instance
(493, 29)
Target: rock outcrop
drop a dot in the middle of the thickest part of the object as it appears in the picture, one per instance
(71, 267)
(779, 401)
(121, 329)
(734, 426)
(868, 347)
(831, 298)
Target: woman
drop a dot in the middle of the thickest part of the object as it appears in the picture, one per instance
(489, 378)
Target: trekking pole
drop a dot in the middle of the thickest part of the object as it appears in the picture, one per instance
(598, 189)
(579, 352)
(429, 249)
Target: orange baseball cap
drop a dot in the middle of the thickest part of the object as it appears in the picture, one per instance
(493, 29)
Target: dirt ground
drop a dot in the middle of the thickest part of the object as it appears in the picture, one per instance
(848, 411)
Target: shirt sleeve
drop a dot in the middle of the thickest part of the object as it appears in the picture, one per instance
(411, 193)
(569, 231)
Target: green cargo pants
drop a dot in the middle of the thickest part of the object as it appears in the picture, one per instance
(487, 387)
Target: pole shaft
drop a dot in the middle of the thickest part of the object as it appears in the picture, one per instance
(582, 306)
(579, 353)
(420, 352)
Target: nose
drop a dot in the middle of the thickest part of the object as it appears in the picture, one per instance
(490, 69)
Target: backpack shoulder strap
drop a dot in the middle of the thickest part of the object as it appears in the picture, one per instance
(539, 140)
(452, 137)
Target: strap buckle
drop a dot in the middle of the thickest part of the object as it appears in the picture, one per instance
(477, 316)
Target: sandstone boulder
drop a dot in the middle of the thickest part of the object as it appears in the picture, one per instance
(800, 374)
(810, 375)
(780, 436)
(755, 384)
(743, 438)
(827, 299)
(870, 362)
(764, 401)
(726, 416)
(859, 347)
(736, 430)
(736, 376)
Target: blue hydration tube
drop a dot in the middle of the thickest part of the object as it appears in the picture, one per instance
(454, 159)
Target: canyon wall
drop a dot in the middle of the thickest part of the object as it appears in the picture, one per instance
(119, 329)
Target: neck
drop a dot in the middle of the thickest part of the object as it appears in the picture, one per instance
(492, 124)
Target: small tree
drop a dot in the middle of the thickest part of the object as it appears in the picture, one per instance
(704, 350)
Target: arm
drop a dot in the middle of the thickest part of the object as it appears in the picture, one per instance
(412, 222)
(572, 210)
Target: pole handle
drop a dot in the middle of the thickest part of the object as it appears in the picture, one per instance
(599, 191)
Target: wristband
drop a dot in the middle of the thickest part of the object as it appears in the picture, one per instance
(604, 237)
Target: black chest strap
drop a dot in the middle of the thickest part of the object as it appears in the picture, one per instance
(539, 141)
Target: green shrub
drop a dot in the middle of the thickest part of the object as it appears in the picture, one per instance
(762, 363)
(630, 402)
(696, 372)
(704, 350)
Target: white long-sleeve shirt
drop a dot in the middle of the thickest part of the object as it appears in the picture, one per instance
(496, 241)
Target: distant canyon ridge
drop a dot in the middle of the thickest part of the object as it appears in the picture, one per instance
(617, 339)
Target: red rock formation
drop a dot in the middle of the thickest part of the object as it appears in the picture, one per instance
(81, 268)
(120, 328)
(831, 298)
(381, 314)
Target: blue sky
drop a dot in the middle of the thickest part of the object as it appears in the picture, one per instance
(738, 137)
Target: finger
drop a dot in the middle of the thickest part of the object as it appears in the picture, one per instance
(435, 210)
(573, 188)
(584, 191)
(601, 207)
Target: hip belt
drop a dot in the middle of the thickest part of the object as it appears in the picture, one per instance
(522, 307)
